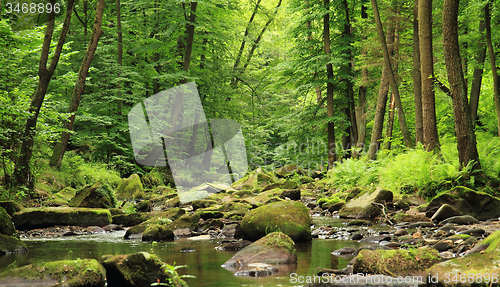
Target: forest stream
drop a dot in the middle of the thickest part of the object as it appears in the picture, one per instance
(204, 263)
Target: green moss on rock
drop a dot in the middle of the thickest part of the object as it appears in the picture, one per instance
(94, 196)
(130, 188)
(30, 218)
(156, 232)
(395, 262)
(6, 224)
(86, 272)
(289, 217)
(11, 244)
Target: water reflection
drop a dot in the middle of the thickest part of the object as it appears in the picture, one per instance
(205, 263)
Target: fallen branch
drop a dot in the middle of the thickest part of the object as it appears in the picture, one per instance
(383, 211)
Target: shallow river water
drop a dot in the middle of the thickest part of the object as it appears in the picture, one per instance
(205, 263)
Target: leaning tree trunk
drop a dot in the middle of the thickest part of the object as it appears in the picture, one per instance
(491, 53)
(431, 138)
(97, 32)
(417, 80)
(22, 172)
(332, 151)
(378, 121)
(466, 139)
(392, 79)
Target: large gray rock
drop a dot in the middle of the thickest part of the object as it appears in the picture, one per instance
(137, 270)
(74, 273)
(31, 218)
(365, 206)
(469, 202)
(289, 217)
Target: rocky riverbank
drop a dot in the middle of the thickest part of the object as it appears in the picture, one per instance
(404, 235)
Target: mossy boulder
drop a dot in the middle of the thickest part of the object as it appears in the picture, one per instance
(94, 196)
(444, 212)
(6, 224)
(156, 232)
(11, 244)
(395, 262)
(31, 218)
(138, 270)
(202, 203)
(188, 220)
(10, 206)
(130, 188)
(289, 217)
(74, 273)
(274, 248)
(258, 179)
(288, 170)
(130, 219)
(367, 204)
(468, 202)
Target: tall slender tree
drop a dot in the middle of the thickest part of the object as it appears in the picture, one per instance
(430, 133)
(417, 80)
(97, 32)
(494, 73)
(466, 138)
(332, 150)
(22, 172)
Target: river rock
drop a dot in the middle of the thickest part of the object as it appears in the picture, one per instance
(93, 196)
(11, 244)
(275, 248)
(258, 270)
(156, 232)
(485, 263)
(445, 211)
(202, 203)
(395, 262)
(469, 202)
(365, 206)
(74, 273)
(130, 219)
(293, 194)
(31, 218)
(289, 217)
(6, 224)
(130, 188)
(137, 270)
(258, 179)
(288, 171)
(344, 251)
(463, 219)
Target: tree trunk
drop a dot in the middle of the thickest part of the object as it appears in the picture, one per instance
(332, 150)
(119, 52)
(430, 136)
(361, 108)
(392, 79)
(189, 39)
(477, 76)
(417, 80)
(466, 139)
(390, 126)
(350, 136)
(245, 36)
(97, 32)
(378, 121)
(22, 172)
(491, 53)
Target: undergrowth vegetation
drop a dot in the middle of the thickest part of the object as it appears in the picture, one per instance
(419, 172)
